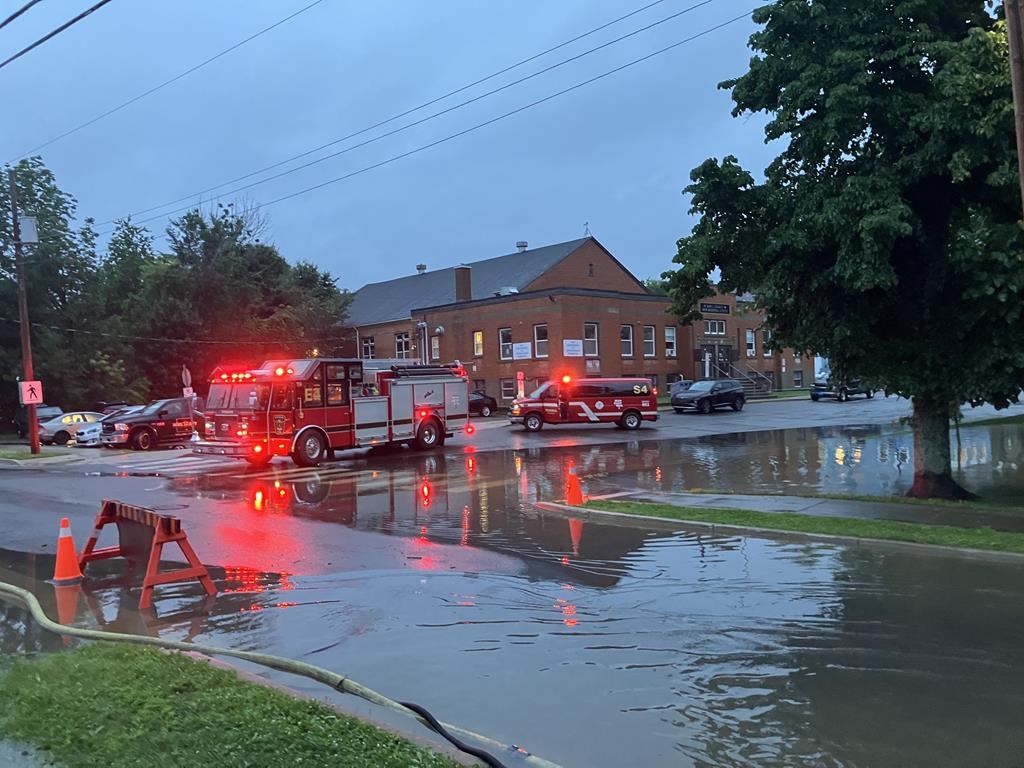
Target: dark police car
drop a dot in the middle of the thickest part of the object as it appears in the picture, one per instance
(162, 423)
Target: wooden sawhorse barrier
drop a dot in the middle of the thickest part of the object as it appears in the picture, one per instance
(142, 534)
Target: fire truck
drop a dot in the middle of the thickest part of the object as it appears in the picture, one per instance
(307, 409)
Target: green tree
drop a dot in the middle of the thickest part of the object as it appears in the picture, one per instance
(885, 234)
(657, 285)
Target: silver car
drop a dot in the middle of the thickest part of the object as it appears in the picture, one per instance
(88, 434)
(61, 430)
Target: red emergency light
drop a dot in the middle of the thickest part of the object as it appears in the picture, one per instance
(566, 378)
(470, 429)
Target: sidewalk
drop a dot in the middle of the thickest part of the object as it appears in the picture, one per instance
(976, 516)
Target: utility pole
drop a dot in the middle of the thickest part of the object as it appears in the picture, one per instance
(26, 337)
(1015, 36)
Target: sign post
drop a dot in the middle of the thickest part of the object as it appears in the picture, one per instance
(31, 236)
(187, 393)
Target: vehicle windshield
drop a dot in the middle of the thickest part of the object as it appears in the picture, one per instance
(700, 386)
(542, 389)
(155, 406)
(237, 397)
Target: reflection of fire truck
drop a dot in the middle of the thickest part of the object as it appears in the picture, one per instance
(307, 409)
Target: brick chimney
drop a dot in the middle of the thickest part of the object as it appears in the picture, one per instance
(463, 282)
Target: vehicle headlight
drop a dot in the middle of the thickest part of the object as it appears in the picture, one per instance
(210, 427)
(121, 427)
(515, 410)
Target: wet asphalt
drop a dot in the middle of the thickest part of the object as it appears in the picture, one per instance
(434, 577)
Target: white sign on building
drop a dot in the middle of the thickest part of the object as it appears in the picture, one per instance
(522, 350)
(572, 347)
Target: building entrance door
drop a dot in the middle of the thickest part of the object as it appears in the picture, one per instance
(715, 361)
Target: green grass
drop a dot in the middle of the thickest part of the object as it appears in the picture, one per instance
(22, 453)
(1018, 419)
(886, 530)
(124, 706)
(986, 505)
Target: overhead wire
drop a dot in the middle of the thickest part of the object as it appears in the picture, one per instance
(476, 127)
(167, 82)
(18, 13)
(400, 115)
(54, 33)
(413, 124)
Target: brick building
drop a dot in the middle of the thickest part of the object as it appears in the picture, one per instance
(566, 308)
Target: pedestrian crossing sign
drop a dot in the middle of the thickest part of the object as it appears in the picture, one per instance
(30, 392)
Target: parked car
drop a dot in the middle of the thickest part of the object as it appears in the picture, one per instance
(161, 423)
(60, 430)
(89, 434)
(841, 391)
(43, 413)
(483, 404)
(679, 386)
(705, 396)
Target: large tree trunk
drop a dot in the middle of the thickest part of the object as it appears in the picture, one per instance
(933, 478)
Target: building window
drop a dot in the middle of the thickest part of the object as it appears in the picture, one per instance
(505, 343)
(402, 346)
(714, 327)
(540, 340)
(590, 339)
(648, 341)
(508, 389)
(626, 340)
(435, 347)
(369, 351)
(670, 342)
(478, 343)
(798, 379)
(766, 339)
(751, 343)
(479, 385)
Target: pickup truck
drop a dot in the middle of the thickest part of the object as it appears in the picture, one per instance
(841, 391)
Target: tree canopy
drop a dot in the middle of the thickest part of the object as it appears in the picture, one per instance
(118, 325)
(885, 235)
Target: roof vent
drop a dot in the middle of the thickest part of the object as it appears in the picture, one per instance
(421, 268)
(522, 245)
(506, 290)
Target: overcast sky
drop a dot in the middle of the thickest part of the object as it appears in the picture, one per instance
(615, 153)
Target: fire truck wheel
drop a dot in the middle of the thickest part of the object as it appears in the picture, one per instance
(533, 422)
(630, 420)
(310, 450)
(429, 435)
(143, 440)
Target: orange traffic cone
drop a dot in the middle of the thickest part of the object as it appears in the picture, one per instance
(573, 491)
(575, 534)
(66, 571)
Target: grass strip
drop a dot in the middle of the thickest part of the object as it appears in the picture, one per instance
(124, 706)
(970, 505)
(22, 454)
(884, 530)
(1018, 419)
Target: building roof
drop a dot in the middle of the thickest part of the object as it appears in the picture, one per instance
(395, 299)
(551, 293)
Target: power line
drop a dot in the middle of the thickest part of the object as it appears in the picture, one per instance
(54, 33)
(413, 124)
(165, 83)
(165, 340)
(485, 123)
(17, 13)
(409, 111)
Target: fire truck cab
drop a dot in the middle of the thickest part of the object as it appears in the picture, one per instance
(307, 409)
(625, 402)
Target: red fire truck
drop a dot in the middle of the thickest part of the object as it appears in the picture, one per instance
(625, 402)
(307, 409)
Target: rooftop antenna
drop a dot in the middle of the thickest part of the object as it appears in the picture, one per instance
(586, 229)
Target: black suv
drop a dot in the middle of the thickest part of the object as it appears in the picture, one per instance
(841, 391)
(161, 423)
(705, 396)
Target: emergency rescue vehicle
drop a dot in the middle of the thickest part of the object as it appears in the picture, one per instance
(625, 402)
(307, 409)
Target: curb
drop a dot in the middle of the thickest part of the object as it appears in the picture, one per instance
(586, 513)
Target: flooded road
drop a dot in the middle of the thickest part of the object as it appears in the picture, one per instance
(434, 578)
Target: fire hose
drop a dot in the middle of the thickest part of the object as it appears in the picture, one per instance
(338, 682)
